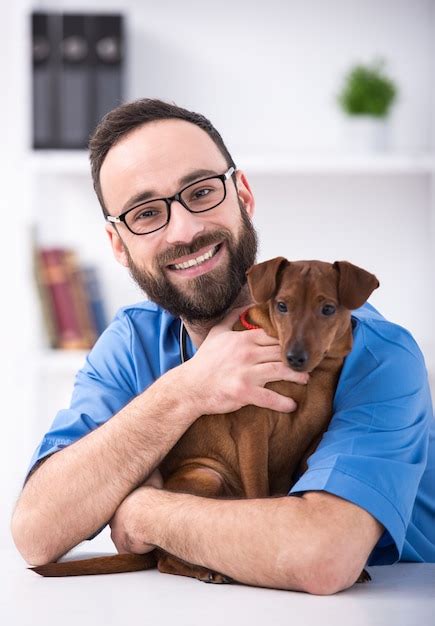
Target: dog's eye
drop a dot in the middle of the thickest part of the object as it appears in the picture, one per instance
(328, 309)
(282, 307)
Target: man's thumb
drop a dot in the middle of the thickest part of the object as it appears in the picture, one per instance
(231, 318)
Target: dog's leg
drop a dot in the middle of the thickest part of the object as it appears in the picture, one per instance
(168, 564)
(251, 433)
(303, 465)
(364, 577)
(200, 481)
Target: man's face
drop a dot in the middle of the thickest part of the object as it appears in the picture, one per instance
(156, 158)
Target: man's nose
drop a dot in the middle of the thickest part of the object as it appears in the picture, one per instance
(183, 225)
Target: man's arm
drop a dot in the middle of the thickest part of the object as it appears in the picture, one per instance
(78, 489)
(317, 543)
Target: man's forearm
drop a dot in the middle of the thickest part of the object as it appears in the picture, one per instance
(317, 543)
(260, 542)
(78, 489)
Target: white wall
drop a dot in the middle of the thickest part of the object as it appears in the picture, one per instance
(380, 223)
(17, 306)
(266, 73)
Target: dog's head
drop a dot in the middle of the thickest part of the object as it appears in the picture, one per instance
(309, 304)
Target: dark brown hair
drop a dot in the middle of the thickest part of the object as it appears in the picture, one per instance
(127, 117)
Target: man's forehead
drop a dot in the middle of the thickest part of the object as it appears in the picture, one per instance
(155, 157)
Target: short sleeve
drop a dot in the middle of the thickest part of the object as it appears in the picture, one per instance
(375, 449)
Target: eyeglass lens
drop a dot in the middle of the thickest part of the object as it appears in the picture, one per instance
(201, 196)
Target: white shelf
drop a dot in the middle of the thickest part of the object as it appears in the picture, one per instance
(339, 164)
(60, 162)
(61, 361)
(77, 162)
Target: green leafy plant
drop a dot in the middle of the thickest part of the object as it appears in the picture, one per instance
(368, 91)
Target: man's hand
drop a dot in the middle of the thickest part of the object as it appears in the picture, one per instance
(236, 366)
(126, 531)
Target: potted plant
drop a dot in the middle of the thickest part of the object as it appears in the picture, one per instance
(366, 97)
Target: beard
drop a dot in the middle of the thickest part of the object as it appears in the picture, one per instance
(208, 296)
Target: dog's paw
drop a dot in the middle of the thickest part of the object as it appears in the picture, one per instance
(364, 577)
(213, 577)
(168, 564)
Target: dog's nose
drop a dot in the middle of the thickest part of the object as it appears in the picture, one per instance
(297, 359)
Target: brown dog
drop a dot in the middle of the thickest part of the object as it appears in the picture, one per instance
(255, 452)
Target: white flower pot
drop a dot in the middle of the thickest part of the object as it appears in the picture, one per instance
(364, 134)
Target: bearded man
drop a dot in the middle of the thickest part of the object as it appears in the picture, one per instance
(178, 216)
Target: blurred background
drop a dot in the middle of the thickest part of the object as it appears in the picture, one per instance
(327, 106)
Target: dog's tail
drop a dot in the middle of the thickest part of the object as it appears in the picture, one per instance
(100, 565)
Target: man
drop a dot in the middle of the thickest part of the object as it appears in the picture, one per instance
(368, 494)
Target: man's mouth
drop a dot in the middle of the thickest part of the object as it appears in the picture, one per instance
(196, 261)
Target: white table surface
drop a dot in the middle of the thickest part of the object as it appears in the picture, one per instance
(399, 595)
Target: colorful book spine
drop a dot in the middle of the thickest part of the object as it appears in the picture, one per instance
(80, 298)
(70, 296)
(44, 298)
(96, 302)
(56, 278)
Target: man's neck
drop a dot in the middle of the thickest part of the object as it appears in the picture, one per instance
(198, 330)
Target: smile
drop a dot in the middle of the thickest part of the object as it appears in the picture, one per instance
(197, 260)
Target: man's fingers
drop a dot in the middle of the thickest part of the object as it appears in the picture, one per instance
(268, 354)
(272, 372)
(296, 377)
(261, 338)
(230, 319)
(267, 399)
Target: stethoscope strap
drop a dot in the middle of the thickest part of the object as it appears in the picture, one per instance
(182, 340)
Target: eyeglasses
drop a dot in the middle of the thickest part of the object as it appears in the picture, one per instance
(201, 196)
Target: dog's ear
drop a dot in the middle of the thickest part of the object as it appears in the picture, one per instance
(354, 284)
(263, 278)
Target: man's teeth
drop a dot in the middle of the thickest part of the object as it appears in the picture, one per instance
(197, 261)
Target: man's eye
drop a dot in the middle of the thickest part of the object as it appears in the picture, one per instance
(145, 214)
(201, 193)
(282, 307)
(328, 309)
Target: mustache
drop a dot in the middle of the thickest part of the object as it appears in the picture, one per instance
(205, 239)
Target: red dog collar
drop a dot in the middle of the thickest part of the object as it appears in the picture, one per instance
(245, 322)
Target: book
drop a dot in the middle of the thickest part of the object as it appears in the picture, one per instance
(81, 304)
(44, 297)
(95, 299)
(56, 278)
(70, 296)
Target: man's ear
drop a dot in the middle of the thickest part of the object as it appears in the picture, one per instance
(245, 194)
(354, 284)
(263, 278)
(117, 245)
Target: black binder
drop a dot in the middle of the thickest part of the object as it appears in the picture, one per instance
(77, 75)
(108, 63)
(44, 87)
(75, 97)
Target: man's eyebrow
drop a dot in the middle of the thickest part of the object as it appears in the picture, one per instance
(191, 177)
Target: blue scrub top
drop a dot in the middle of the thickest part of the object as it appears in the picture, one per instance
(379, 449)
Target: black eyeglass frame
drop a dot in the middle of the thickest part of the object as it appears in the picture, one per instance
(122, 218)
